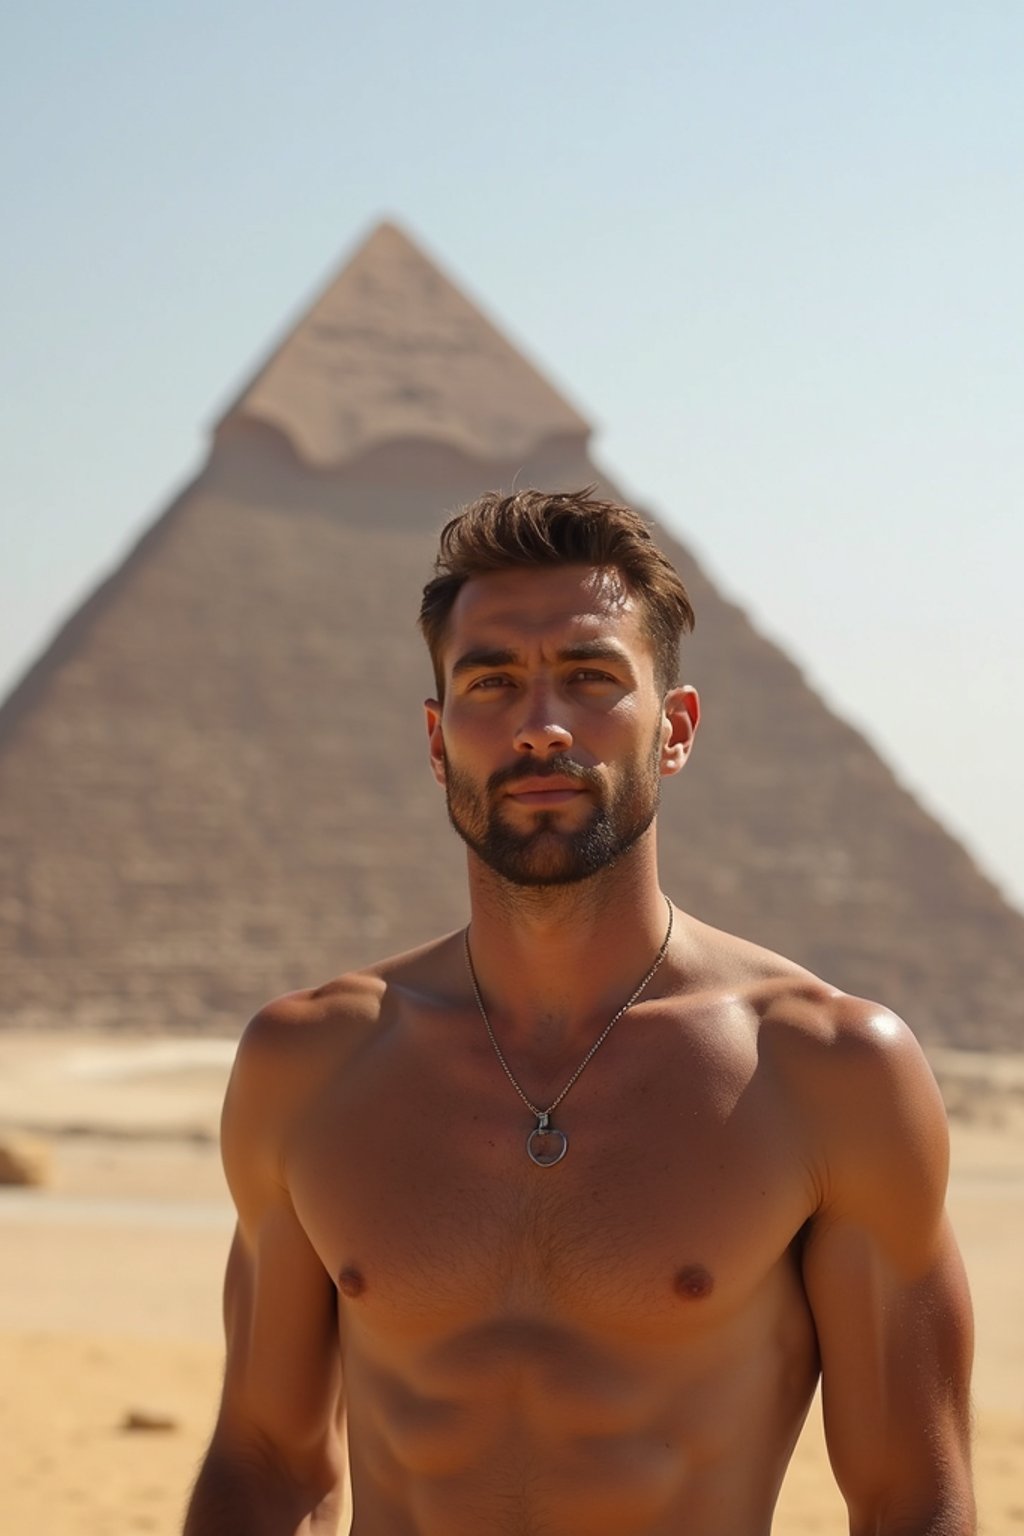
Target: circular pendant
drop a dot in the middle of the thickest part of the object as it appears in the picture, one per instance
(546, 1144)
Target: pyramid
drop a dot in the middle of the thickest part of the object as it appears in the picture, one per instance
(213, 784)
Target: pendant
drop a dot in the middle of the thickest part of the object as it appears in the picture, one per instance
(546, 1144)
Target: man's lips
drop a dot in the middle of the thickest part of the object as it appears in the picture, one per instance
(545, 791)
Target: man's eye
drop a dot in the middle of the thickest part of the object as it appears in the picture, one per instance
(591, 675)
(495, 681)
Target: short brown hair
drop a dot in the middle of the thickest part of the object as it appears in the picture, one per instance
(540, 528)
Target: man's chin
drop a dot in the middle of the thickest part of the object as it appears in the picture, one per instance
(541, 879)
(547, 859)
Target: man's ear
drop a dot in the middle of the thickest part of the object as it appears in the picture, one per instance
(680, 719)
(435, 738)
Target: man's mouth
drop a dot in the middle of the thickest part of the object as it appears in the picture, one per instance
(541, 792)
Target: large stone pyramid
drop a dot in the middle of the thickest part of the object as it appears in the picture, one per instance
(213, 784)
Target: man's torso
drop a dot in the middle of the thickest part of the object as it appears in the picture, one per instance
(620, 1342)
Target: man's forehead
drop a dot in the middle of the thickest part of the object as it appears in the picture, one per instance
(528, 600)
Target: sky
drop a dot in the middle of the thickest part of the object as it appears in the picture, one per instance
(773, 251)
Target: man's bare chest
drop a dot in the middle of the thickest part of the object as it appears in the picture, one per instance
(680, 1191)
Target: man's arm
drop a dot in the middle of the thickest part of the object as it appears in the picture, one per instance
(275, 1466)
(887, 1288)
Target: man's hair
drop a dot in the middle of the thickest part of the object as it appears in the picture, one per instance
(537, 528)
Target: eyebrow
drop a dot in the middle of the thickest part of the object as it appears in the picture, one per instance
(482, 657)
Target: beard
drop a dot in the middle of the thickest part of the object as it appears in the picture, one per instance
(545, 855)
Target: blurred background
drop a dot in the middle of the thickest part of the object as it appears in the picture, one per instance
(771, 253)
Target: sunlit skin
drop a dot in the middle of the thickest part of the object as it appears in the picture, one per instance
(624, 1344)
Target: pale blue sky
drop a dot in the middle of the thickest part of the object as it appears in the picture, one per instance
(773, 251)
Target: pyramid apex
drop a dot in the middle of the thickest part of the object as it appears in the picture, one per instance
(386, 230)
(392, 350)
(390, 226)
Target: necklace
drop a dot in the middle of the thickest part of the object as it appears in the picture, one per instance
(546, 1144)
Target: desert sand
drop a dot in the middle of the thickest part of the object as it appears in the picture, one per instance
(110, 1278)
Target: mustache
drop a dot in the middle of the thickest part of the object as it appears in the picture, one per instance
(560, 767)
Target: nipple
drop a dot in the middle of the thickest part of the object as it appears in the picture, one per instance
(693, 1282)
(351, 1281)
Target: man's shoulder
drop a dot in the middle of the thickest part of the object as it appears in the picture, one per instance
(296, 1020)
(338, 1014)
(793, 1006)
(834, 1043)
(859, 1093)
(302, 1040)
(852, 1043)
(828, 1046)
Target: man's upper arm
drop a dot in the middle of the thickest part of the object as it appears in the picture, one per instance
(887, 1289)
(282, 1384)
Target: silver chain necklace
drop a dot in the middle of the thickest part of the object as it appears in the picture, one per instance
(546, 1144)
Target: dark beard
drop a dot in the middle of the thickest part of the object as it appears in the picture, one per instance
(544, 856)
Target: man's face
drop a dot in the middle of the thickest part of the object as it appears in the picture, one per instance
(550, 740)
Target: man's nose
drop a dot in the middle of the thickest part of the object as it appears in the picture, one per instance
(543, 729)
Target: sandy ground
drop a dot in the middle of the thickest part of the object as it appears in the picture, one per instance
(110, 1287)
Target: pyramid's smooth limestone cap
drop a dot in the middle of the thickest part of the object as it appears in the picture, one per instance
(391, 350)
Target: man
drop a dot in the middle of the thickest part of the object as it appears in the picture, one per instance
(566, 1213)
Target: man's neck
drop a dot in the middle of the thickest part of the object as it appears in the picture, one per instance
(554, 962)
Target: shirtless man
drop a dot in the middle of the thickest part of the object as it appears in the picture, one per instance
(550, 1289)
